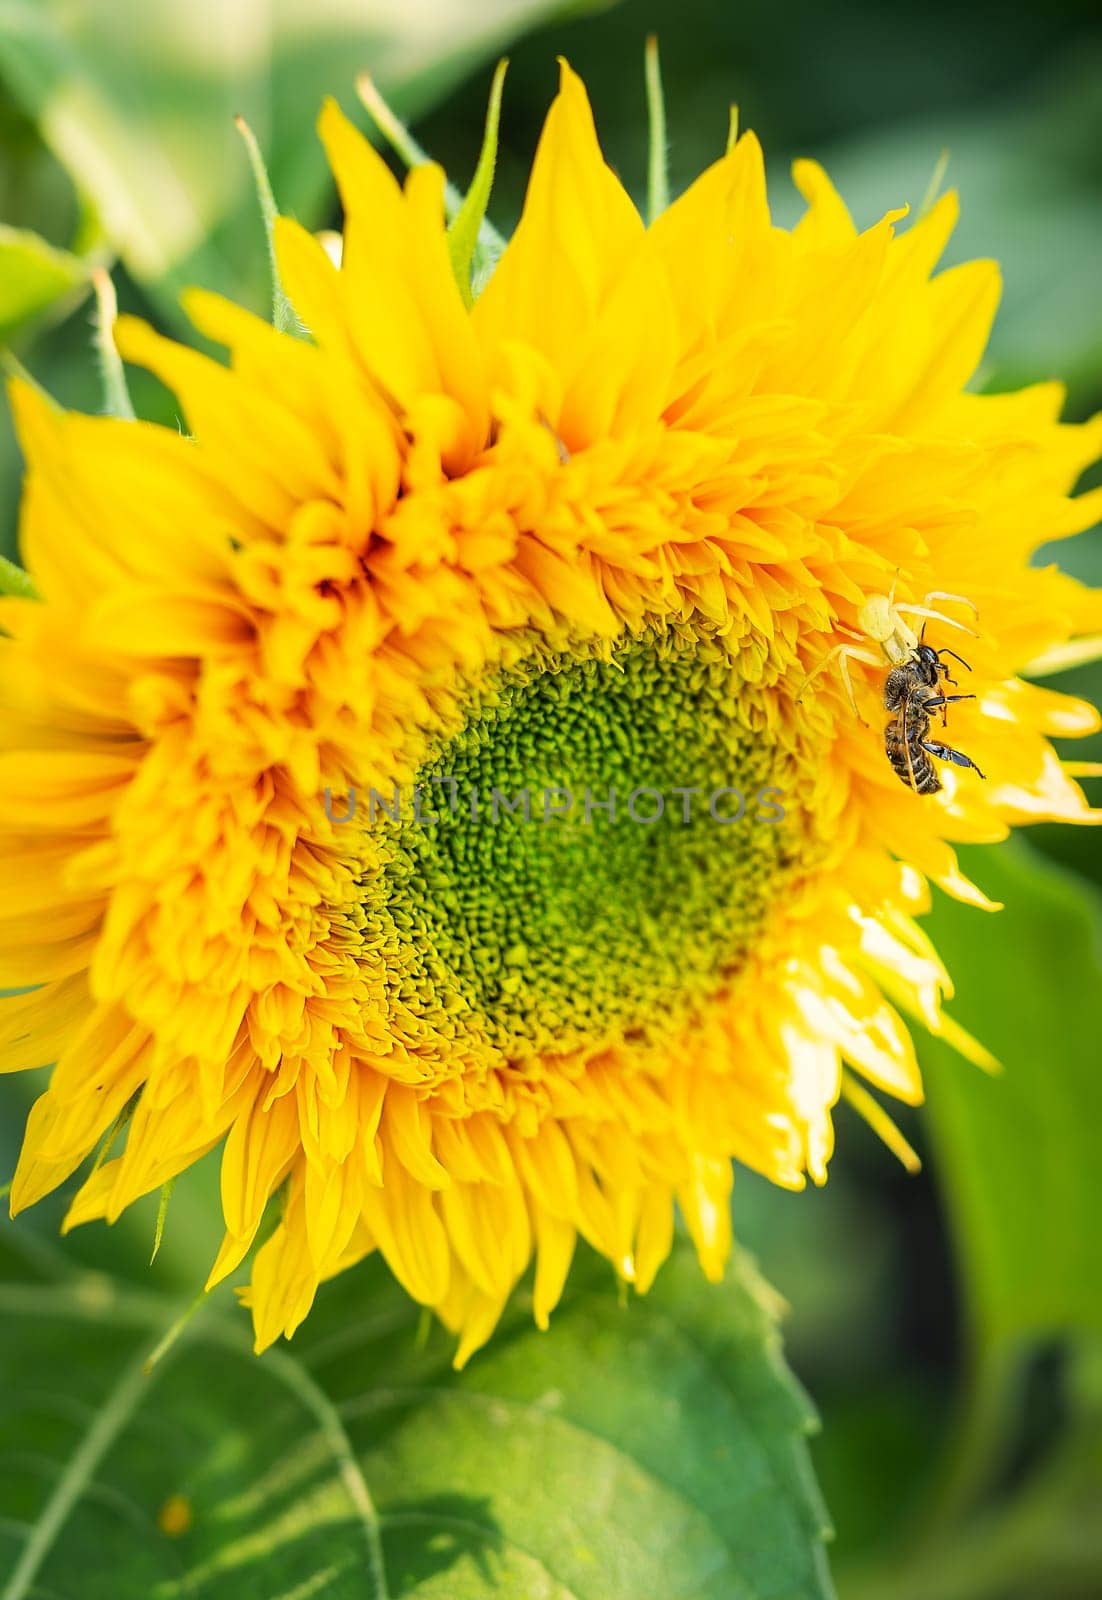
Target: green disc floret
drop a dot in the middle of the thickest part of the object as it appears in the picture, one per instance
(583, 881)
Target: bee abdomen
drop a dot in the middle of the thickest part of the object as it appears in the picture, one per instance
(909, 761)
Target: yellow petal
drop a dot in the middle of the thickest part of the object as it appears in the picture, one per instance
(575, 236)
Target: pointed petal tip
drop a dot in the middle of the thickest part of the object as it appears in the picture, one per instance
(331, 116)
(134, 336)
(572, 92)
(344, 142)
(26, 403)
(35, 414)
(967, 1045)
(194, 300)
(946, 207)
(430, 177)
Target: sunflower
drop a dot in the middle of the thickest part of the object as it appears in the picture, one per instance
(411, 779)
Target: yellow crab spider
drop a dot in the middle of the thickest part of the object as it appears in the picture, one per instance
(882, 621)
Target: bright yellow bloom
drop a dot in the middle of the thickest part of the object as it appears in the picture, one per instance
(593, 534)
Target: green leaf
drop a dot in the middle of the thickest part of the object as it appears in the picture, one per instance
(137, 102)
(1017, 1155)
(648, 1450)
(33, 275)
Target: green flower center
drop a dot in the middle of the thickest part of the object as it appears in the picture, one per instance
(602, 855)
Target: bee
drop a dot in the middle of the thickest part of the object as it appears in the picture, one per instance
(912, 691)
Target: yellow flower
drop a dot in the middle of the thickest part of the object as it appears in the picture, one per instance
(591, 536)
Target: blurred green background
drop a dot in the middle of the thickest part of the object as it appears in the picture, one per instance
(949, 1326)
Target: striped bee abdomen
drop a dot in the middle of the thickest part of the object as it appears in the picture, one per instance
(903, 743)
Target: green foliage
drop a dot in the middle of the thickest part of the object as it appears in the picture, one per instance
(649, 1449)
(1018, 1154)
(33, 276)
(1016, 1159)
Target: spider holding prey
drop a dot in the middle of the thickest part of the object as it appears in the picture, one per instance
(912, 689)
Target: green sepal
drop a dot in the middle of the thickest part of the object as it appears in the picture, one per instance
(283, 312)
(658, 174)
(489, 243)
(469, 252)
(116, 395)
(14, 581)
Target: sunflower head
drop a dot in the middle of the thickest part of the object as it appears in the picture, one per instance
(453, 779)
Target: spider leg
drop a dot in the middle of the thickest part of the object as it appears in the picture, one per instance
(843, 652)
(815, 671)
(945, 753)
(843, 665)
(935, 616)
(957, 599)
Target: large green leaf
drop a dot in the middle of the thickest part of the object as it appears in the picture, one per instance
(1004, 1512)
(1018, 1154)
(640, 1452)
(33, 275)
(137, 101)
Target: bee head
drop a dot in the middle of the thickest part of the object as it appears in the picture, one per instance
(928, 663)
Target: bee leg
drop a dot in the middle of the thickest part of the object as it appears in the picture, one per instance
(943, 674)
(938, 702)
(945, 753)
